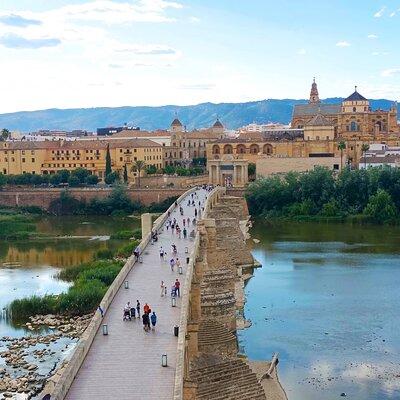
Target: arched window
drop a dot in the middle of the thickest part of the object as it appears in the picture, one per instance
(267, 149)
(228, 149)
(353, 126)
(215, 149)
(254, 149)
(240, 149)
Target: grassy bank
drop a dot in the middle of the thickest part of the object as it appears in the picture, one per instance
(90, 282)
(17, 224)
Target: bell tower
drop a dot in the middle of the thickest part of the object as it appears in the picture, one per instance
(314, 96)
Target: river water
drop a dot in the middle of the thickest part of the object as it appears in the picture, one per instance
(29, 267)
(327, 300)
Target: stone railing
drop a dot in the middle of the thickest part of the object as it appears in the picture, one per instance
(71, 370)
(212, 199)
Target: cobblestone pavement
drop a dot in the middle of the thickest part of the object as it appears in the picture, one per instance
(126, 364)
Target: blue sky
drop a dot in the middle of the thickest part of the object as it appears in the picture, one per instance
(66, 53)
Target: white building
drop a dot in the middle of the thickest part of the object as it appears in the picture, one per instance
(380, 154)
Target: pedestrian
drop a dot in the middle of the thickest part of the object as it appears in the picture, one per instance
(146, 308)
(127, 312)
(173, 290)
(184, 222)
(195, 212)
(184, 233)
(162, 288)
(177, 263)
(146, 322)
(138, 308)
(161, 252)
(136, 253)
(188, 221)
(153, 320)
(174, 249)
(172, 264)
(177, 288)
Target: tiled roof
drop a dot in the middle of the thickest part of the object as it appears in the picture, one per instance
(176, 122)
(356, 97)
(140, 134)
(313, 109)
(319, 120)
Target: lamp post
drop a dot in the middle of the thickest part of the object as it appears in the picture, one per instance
(141, 260)
(126, 284)
(105, 329)
(164, 360)
(186, 250)
(180, 270)
(173, 301)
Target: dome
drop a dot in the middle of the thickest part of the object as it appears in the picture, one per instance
(217, 124)
(176, 122)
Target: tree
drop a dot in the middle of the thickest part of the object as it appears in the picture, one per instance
(364, 149)
(341, 147)
(125, 174)
(5, 134)
(73, 181)
(81, 174)
(151, 169)
(381, 207)
(251, 171)
(92, 180)
(112, 178)
(3, 180)
(138, 166)
(108, 161)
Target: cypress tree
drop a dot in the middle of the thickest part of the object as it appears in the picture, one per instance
(125, 174)
(108, 161)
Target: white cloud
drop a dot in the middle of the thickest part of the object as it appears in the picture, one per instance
(390, 72)
(372, 36)
(379, 13)
(302, 52)
(343, 44)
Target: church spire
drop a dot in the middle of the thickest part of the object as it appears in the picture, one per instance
(314, 96)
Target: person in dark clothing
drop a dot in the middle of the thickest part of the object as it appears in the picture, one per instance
(138, 308)
(153, 319)
(146, 321)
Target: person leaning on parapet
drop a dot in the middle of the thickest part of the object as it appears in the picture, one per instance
(136, 252)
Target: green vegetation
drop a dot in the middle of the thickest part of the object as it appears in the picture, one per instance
(138, 166)
(137, 234)
(89, 284)
(16, 225)
(371, 195)
(117, 203)
(182, 171)
(75, 178)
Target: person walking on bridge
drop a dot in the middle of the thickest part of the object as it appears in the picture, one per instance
(153, 319)
(138, 308)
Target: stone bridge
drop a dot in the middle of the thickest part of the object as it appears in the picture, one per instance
(203, 360)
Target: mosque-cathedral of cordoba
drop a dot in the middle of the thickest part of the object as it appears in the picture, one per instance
(316, 130)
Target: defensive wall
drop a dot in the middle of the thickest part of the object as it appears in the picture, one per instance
(16, 197)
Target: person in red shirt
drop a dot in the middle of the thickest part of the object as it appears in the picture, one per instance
(177, 288)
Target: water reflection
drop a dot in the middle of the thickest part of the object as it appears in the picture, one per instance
(326, 299)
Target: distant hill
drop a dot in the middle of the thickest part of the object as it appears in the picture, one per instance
(232, 115)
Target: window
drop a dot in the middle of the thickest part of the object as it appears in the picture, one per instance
(33, 160)
(354, 109)
(353, 126)
(120, 159)
(23, 159)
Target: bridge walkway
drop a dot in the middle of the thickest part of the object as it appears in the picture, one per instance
(126, 364)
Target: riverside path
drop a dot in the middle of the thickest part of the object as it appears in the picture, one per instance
(126, 364)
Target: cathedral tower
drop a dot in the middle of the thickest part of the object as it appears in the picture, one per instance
(314, 96)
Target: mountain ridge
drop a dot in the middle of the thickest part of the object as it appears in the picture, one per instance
(232, 115)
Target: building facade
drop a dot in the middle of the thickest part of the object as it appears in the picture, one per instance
(49, 157)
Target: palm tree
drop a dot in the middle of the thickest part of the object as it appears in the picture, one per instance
(364, 149)
(341, 147)
(138, 166)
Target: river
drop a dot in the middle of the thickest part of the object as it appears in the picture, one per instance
(327, 299)
(28, 267)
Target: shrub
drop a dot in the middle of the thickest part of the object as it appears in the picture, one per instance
(22, 309)
(105, 275)
(82, 298)
(122, 235)
(127, 249)
(104, 254)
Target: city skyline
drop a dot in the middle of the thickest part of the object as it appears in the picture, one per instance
(154, 52)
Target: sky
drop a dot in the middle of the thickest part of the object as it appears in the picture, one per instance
(89, 53)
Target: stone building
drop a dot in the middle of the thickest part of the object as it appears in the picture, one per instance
(49, 157)
(228, 170)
